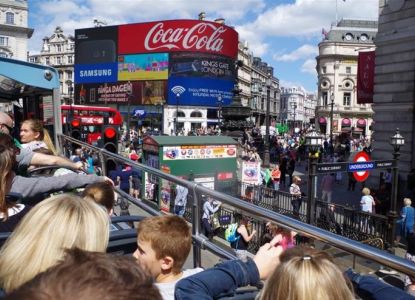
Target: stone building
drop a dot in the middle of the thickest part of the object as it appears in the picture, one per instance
(259, 89)
(395, 81)
(58, 51)
(337, 79)
(14, 32)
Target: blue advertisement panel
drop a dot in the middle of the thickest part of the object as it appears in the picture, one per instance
(96, 73)
(199, 91)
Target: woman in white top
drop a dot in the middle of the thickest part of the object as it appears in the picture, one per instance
(367, 202)
(34, 136)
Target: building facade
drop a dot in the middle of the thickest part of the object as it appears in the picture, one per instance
(297, 108)
(260, 85)
(14, 32)
(394, 89)
(58, 51)
(337, 111)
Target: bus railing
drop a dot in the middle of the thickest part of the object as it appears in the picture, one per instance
(201, 242)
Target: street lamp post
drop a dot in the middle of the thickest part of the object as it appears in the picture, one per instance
(313, 141)
(396, 141)
(294, 107)
(331, 117)
(266, 145)
(220, 109)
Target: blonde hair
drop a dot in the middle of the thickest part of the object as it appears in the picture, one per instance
(407, 201)
(36, 126)
(366, 191)
(7, 160)
(306, 273)
(52, 226)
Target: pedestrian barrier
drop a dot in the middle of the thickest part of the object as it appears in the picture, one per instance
(259, 215)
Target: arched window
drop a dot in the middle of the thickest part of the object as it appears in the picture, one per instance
(180, 114)
(196, 114)
(9, 18)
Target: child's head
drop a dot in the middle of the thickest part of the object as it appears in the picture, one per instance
(163, 244)
(101, 193)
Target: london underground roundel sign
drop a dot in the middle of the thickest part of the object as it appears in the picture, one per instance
(362, 156)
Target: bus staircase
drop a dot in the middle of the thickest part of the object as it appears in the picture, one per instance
(369, 250)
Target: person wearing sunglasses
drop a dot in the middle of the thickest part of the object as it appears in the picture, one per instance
(26, 157)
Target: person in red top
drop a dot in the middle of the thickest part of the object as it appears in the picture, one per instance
(275, 176)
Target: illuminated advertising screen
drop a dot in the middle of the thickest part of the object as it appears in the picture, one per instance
(186, 62)
(205, 65)
(137, 92)
(199, 91)
(178, 36)
(152, 66)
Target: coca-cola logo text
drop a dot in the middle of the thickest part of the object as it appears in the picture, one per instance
(202, 36)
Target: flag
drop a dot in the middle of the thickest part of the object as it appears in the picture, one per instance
(267, 175)
(324, 32)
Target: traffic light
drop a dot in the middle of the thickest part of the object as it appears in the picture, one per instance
(75, 132)
(110, 143)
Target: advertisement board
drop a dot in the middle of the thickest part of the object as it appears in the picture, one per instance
(201, 65)
(178, 36)
(96, 45)
(137, 92)
(199, 152)
(251, 172)
(199, 91)
(143, 66)
(106, 72)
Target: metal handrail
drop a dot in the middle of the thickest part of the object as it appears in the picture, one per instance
(313, 232)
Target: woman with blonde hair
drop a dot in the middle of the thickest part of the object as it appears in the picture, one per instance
(306, 273)
(34, 136)
(52, 226)
(367, 202)
(300, 273)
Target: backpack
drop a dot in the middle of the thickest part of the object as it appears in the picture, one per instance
(230, 233)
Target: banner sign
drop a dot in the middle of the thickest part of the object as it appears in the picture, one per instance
(199, 152)
(251, 172)
(106, 72)
(178, 36)
(199, 91)
(365, 77)
(133, 92)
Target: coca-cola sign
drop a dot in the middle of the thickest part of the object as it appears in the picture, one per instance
(178, 35)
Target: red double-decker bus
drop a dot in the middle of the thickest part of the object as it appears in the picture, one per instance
(88, 121)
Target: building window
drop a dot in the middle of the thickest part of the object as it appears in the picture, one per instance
(4, 41)
(59, 60)
(47, 60)
(60, 75)
(348, 70)
(9, 18)
(324, 98)
(196, 114)
(324, 70)
(70, 59)
(58, 48)
(69, 74)
(346, 99)
(2, 54)
(262, 104)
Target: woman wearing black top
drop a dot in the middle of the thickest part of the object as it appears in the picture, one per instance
(240, 246)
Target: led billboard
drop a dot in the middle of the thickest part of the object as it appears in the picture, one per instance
(152, 66)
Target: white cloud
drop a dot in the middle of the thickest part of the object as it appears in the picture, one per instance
(302, 52)
(309, 66)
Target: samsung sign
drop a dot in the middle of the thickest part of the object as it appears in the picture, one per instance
(96, 73)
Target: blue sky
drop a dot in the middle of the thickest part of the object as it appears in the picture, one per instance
(283, 33)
